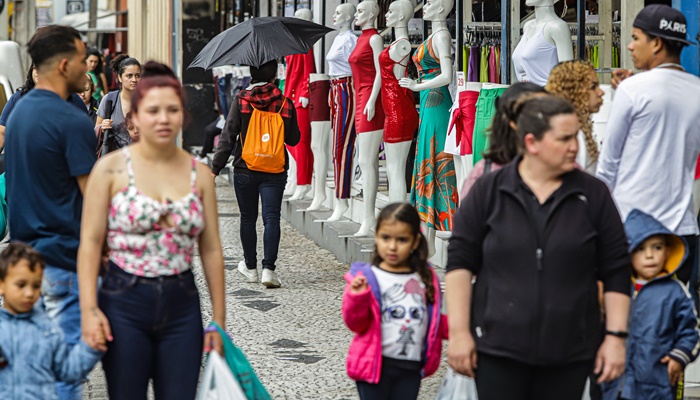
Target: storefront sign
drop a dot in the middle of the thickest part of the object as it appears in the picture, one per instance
(75, 6)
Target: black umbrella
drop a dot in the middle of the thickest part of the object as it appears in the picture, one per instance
(259, 40)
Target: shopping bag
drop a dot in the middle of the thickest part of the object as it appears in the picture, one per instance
(242, 371)
(218, 382)
(457, 387)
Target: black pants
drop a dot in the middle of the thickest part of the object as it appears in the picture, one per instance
(252, 188)
(394, 384)
(210, 133)
(499, 378)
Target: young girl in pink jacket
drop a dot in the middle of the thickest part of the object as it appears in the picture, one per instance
(393, 306)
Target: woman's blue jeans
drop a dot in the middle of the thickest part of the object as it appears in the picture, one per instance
(157, 328)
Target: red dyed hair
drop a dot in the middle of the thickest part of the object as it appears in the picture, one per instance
(157, 75)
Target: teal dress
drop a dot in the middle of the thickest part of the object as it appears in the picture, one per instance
(434, 189)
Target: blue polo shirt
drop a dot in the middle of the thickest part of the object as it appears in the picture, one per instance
(49, 142)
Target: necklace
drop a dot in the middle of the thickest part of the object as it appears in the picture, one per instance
(671, 65)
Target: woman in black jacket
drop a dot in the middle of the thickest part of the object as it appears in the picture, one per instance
(538, 234)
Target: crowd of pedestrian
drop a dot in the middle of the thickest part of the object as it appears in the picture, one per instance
(569, 261)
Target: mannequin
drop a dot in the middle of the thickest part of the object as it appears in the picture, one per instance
(434, 192)
(401, 119)
(296, 88)
(369, 114)
(319, 88)
(546, 42)
(342, 99)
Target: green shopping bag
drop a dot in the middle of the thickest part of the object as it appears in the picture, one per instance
(241, 369)
(3, 207)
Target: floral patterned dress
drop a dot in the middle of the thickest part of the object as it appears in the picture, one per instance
(150, 238)
(434, 190)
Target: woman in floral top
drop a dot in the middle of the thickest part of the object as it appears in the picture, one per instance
(152, 202)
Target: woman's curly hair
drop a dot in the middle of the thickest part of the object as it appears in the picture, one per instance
(571, 80)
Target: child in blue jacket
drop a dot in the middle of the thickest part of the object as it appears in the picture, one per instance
(663, 337)
(33, 352)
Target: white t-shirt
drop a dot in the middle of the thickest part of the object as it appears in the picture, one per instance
(404, 314)
(337, 57)
(651, 146)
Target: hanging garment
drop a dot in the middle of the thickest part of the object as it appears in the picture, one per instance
(401, 119)
(465, 60)
(473, 73)
(485, 110)
(484, 67)
(493, 68)
(534, 58)
(319, 92)
(299, 68)
(363, 72)
(434, 189)
(343, 124)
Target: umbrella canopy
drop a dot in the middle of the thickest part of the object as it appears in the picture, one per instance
(259, 40)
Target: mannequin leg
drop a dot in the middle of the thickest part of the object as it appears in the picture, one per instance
(430, 238)
(396, 155)
(368, 147)
(459, 174)
(341, 206)
(303, 155)
(291, 186)
(320, 133)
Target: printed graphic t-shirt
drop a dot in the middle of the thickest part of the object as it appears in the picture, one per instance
(404, 314)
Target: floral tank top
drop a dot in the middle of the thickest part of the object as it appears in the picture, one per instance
(140, 242)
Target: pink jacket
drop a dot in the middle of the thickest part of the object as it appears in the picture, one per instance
(362, 314)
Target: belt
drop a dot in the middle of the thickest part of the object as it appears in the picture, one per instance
(336, 81)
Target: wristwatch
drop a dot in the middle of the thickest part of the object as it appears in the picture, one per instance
(620, 334)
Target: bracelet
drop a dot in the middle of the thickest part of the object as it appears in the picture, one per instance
(620, 334)
(210, 328)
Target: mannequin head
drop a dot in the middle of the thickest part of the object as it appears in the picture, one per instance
(304, 13)
(437, 10)
(366, 15)
(400, 11)
(343, 15)
(540, 3)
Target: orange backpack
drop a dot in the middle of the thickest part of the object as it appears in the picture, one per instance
(263, 150)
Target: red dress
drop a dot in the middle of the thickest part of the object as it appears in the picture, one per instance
(363, 73)
(296, 86)
(401, 120)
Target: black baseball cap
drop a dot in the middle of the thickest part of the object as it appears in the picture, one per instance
(663, 21)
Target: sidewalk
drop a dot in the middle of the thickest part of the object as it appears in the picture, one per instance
(294, 336)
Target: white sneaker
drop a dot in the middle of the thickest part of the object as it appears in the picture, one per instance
(251, 275)
(270, 279)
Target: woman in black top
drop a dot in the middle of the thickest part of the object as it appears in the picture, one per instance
(537, 234)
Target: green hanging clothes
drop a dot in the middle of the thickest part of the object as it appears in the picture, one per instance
(465, 60)
(485, 110)
(484, 69)
(594, 57)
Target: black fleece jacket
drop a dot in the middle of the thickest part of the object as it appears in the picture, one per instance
(535, 297)
(265, 97)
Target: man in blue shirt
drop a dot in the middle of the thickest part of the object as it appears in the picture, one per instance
(50, 152)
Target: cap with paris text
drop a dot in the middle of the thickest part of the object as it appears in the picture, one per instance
(663, 21)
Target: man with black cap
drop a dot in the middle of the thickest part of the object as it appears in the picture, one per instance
(653, 135)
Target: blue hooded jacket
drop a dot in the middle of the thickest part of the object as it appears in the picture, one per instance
(663, 321)
(38, 356)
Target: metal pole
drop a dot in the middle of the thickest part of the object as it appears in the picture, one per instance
(92, 24)
(505, 40)
(323, 39)
(296, 4)
(581, 24)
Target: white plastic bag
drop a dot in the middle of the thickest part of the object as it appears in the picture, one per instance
(457, 387)
(218, 382)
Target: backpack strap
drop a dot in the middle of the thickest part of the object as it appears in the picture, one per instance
(282, 106)
(487, 166)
